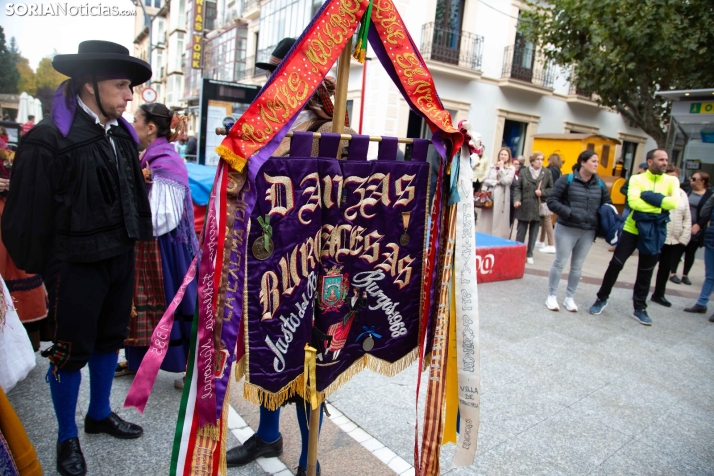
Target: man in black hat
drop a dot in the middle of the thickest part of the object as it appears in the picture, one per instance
(75, 210)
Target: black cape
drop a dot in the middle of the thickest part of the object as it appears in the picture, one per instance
(69, 197)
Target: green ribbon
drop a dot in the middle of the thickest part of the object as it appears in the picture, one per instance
(267, 231)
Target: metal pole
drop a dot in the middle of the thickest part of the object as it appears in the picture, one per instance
(338, 126)
(364, 89)
(150, 20)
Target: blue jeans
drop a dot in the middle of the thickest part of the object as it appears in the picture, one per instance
(708, 286)
(569, 241)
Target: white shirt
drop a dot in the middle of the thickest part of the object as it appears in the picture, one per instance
(110, 123)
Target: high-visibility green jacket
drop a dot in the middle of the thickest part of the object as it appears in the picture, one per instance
(664, 184)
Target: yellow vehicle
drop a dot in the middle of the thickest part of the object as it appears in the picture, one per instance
(569, 146)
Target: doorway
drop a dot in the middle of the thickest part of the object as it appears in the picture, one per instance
(514, 136)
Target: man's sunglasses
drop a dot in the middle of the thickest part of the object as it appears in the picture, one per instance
(694, 179)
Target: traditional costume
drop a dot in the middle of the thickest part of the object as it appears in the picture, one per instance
(162, 262)
(73, 215)
(17, 455)
(27, 290)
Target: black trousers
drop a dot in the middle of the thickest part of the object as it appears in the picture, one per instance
(689, 254)
(90, 304)
(532, 228)
(645, 268)
(669, 256)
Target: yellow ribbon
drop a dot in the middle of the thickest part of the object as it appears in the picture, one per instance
(310, 376)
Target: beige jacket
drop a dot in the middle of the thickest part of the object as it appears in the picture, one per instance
(679, 228)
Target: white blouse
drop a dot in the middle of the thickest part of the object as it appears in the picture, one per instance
(167, 205)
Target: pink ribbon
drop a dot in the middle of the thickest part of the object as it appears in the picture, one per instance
(145, 377)
(148, 370)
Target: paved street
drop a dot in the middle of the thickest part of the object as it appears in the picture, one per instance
(562, 393)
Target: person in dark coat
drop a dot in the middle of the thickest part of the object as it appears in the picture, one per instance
(555, 162)
(697, 197)
(73, 215)
(534, 185)
(575, 198)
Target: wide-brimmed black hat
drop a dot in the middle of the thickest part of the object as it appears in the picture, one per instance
(278, 54)
(103, 57)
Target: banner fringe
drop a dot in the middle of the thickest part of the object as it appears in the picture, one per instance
(210, 431)
(239, 371)
(374, 364)
(273, 400)
(223, 462)
(234, 160)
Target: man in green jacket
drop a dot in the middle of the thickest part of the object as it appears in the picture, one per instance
(652, 192)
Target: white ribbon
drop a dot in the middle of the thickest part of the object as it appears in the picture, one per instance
(467, 325)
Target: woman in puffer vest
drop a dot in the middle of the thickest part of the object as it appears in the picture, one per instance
(679, 230)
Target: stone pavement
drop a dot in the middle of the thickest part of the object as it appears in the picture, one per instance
(562, 393)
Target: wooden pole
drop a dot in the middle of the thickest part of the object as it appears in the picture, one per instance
(338, 126)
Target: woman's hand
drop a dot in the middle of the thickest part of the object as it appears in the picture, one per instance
(538, 193)
(147, 175)
(517, 205)
(695, 229)
(4, 185)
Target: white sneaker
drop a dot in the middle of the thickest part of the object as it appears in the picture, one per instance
(570, 305)
(529, 260)
(547, 249)
(539, 244)
(552, 303)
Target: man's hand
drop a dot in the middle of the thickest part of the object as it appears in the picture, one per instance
(695, 229)
(517, 205)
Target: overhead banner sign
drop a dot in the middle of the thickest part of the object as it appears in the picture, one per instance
(197, 34)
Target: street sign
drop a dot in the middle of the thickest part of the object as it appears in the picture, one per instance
(701, 108)
(149, 95)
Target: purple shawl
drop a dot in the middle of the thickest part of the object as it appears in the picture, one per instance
(164, 161)
(65, 107)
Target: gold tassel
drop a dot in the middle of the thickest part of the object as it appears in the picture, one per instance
(223, 462)
(240, 369)
(234, 160)
(310, 376)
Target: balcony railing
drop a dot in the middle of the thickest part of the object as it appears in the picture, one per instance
(524, 63)
(247, 70)
(456, 47)
(249, 4)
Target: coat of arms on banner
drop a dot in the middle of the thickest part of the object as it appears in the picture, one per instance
(333, 289)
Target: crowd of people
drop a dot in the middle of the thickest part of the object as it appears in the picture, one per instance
(660, 219)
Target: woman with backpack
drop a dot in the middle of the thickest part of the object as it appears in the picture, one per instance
(575, 198)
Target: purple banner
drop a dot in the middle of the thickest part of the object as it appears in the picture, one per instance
(349, 240)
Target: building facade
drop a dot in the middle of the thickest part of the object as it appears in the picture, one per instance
(483, 68)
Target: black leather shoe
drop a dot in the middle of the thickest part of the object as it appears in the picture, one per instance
(113, 425)
(696, 308)
(661, 300)
(685, 280)
(70, 460)
(253, 448)
(675, 279)
(303, 472)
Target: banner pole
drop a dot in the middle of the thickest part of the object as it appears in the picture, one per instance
(338, 125)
